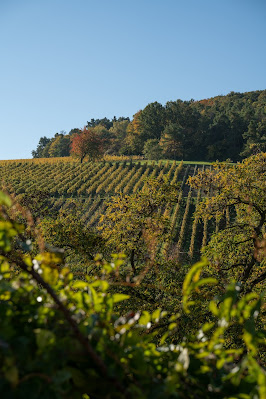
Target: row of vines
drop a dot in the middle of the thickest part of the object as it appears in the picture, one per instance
(89, 186)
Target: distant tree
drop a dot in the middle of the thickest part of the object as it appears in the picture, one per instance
(87, 143)
(43, 143)
(104, 122)
(121, 119)
(183, 136)
(152, 121)
(60, 146)
(152, 150)
(118, 134)
(256, 138)
(133, 143)
(73, 131)
(57, 146)
(173, 141)
(119, 128)
(104, 135)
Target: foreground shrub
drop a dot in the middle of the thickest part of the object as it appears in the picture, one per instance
(62, 338)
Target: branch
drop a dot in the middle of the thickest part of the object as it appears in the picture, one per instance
(242, 242)
(233, 266)
(246, 272)
(79, 336)
(241, 201)
(257, 280)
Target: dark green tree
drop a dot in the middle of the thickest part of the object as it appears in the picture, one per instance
(39, 152)
(152, 121)
(152, 150)
(59, 146)
(255, 138)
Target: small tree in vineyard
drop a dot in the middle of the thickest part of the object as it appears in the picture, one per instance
(86, 143)
(238, 249)
(134, 223)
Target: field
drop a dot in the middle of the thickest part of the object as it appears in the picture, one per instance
(91, 185)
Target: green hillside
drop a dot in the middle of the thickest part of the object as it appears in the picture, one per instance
(88, 187)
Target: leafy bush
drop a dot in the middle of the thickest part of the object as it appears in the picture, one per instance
(62, 338)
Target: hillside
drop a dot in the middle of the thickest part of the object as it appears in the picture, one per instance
(57, 185)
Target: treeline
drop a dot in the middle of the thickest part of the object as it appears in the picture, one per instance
(223, 127)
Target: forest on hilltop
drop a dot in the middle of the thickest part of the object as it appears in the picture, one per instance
(223, 127)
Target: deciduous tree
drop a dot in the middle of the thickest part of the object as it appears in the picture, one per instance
(152, 150)
(134, 224)
(86, 143)
(152, 121)
(60, 146)
(43, 143)
(238, 250)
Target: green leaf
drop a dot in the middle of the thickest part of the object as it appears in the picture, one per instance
(27, 260)
(5, 200)
(79, 285)
(192, 272)
(205, 281)
(165, 335)
(102, 284)
(192, 281)
(207, 326)
(172, 326)
(120, 297)
(4, 266)
(44, 338)
(213, 308)
(144, 318)
(156, 315)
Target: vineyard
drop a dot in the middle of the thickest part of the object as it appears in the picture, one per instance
(89, 186)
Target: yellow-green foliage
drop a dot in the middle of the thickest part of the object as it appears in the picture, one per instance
(64, 338)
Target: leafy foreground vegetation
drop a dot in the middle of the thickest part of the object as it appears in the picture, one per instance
(64, 338)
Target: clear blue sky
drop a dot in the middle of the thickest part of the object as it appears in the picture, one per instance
(64, 62)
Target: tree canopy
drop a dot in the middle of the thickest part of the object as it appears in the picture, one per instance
(133, 223)
(223, 127)
(238, 203)
(87, 143)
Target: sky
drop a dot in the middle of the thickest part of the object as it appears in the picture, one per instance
(64, 62)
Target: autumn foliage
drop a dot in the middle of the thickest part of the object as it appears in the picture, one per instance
(86, 143)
